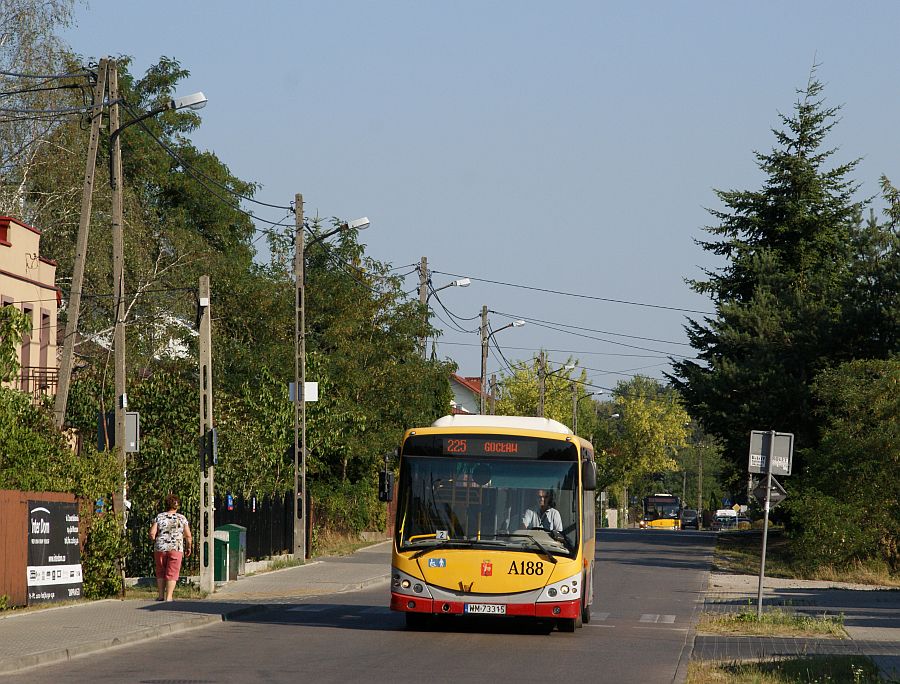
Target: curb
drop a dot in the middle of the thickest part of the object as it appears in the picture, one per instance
(322, 591)
(58, 655)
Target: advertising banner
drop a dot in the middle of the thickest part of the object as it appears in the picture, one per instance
(54, 555)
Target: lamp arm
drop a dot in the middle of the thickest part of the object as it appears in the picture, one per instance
(114, 136)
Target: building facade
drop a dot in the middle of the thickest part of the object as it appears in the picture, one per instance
(28, 282)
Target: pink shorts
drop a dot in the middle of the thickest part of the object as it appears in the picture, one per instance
(168, 564)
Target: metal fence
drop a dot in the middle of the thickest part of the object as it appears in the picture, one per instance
(269, 522)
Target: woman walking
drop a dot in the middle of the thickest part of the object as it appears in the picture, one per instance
(172, 542)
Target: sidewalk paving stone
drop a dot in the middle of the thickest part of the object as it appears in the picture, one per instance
(59, 633)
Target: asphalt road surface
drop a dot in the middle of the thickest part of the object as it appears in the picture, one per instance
(647, 587)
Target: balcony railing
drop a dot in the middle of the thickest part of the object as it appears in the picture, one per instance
(37, 382)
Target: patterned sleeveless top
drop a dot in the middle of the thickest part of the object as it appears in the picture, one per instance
(169, 532)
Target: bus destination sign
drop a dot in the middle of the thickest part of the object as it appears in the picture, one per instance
(477, 446)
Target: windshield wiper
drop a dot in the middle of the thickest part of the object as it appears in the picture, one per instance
(444, 542)
(540, 546)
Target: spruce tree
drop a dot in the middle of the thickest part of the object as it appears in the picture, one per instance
(779, 298)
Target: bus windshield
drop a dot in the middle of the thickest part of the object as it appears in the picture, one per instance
(659, 507)
(483, 502)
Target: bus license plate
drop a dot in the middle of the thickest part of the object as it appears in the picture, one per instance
(486, 608)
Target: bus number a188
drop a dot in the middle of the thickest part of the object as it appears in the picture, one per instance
(526, 568)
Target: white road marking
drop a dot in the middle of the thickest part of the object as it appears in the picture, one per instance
(664, 619)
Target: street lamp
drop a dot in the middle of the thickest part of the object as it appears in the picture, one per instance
(485, 339)
(195, 101)
(576, 401)
(299, 398)
(462, 282)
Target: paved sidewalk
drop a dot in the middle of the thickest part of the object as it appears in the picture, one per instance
(871, 618)
(57, 634)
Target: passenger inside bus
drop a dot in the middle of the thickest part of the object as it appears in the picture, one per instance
(548, 518)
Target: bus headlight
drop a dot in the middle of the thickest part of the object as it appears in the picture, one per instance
(569, 588)
(402, 583)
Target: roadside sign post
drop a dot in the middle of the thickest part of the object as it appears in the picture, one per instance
(769, 452)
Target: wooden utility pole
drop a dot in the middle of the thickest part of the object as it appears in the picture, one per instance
(206, 545)
(423, 300)
(484, 355)
(542, 381)
(118, 247)
(574, 386)
(81, 242)
(493, 393)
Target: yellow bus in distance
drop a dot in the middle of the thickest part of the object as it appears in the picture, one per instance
(495, 516)
(661, 511)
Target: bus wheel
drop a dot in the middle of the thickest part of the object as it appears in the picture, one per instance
(417, 620)
(567, 624)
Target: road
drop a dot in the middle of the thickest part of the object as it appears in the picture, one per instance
(647, 587)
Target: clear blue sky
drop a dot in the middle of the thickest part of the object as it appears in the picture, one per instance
(571, 146)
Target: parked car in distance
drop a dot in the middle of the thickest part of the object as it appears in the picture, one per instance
(726, 519)
(689, 518)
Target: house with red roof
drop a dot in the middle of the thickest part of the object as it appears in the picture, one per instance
(28, 283)
(466, 394)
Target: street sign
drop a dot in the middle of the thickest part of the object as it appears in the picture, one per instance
(781, 449)
(776, 495)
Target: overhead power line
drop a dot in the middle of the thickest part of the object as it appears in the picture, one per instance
(577, 327)
(575, 294)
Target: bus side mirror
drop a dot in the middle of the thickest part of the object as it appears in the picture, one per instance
(386, 486)
(589, 475)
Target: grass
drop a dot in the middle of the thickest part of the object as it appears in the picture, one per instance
(772, 623)
(738, 552)
(807, 670)
(338, 544)
(183, 590)
(326, 545)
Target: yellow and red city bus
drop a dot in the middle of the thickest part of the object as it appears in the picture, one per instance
(661, 511)
(471, 536)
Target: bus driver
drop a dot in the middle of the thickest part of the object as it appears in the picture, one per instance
(548, 519)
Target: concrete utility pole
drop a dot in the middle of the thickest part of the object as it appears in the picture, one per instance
(206, 543)
(484, 354)
(118, 249)
(423, 300)
(700, 481)
(81, 242)
(299, 387)
(542, 381)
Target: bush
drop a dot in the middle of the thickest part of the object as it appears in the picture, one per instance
(832, 532)
(346, 507)
(35, 457)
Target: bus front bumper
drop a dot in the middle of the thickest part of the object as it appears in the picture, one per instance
(418, 604)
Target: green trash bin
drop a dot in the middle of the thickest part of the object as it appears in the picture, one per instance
(220, 556)
(237, 548)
